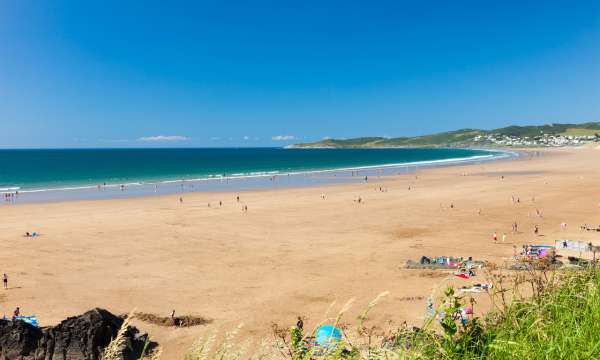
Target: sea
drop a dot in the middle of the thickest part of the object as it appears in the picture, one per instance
(63, 174)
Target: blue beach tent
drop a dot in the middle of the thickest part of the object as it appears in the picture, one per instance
(328, 335)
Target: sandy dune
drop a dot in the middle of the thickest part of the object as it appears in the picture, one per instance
(292, 253)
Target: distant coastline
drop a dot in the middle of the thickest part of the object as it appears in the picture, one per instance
(553, 135)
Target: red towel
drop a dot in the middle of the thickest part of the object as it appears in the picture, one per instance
(464, 276)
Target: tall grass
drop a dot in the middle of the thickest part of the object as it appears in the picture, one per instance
(535, 315)
(562, 322)
(560, 319)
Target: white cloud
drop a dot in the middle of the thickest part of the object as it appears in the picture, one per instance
(283, 137)
(164, 138)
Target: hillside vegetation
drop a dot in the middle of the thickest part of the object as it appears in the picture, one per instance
(463, 137)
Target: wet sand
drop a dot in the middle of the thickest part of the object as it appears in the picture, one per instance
(292, 253)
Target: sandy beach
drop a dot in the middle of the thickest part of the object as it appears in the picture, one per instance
(293, 252)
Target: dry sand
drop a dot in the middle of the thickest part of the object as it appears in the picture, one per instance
(292, 253)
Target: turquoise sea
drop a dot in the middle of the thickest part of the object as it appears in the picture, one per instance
(76, 169)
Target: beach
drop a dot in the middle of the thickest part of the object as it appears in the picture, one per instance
(294, 251)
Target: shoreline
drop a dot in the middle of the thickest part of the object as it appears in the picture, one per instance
(236, 183)
(292, 253)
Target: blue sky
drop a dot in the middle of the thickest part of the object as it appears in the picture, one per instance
(263, 73)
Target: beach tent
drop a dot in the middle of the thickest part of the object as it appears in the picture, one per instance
(328, 335)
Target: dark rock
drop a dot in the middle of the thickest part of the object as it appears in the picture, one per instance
(18, 340)
(81, 337)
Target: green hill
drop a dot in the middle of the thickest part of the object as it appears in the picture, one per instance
(463, 137)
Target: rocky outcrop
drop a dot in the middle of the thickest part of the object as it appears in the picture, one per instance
(18, 340)
(81, 337)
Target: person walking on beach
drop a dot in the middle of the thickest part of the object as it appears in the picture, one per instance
(503, 237)
(536, 230)
(181, 200)
(495, 237)
(5, 281)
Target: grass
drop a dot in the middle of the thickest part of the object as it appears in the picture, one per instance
(537, 315)
(540, 314)
(559, 320)
(559, 323)
(114, 349)
(580, 132)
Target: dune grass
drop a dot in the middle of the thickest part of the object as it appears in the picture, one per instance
(562, 322)
(543, 314)
(560, 319)
(536, 315)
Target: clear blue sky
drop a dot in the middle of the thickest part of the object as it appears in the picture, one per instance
(262, 73)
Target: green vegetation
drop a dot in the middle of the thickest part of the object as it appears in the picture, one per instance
(537, 315)
(580, 132)
(463, 137)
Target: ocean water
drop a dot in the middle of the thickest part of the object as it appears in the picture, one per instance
(34, 171)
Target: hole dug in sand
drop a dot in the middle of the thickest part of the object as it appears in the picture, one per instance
(179, 321)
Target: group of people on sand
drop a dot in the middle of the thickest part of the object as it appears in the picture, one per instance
(515, 229)
(11, 196)
(585, 227)
(495, 237)
(244, 207)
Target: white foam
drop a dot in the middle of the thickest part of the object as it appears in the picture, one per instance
(497, 154)
(9, 189)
